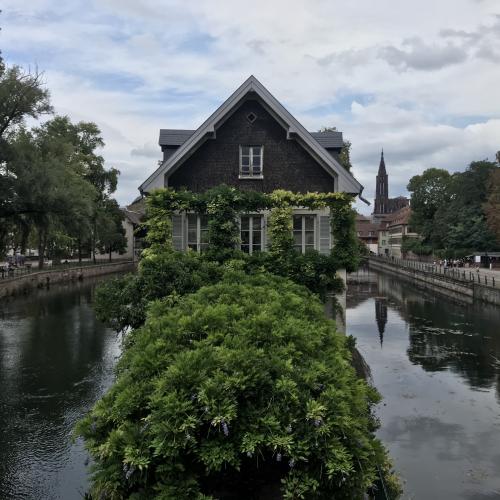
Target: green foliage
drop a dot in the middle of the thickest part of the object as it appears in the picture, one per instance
(239, 385)
(450, 212)
(22, 95)
(57, 187)
(345, 251)
(122, 302)
(492, 205)
(415, 245)
(224, 204)
(280, 232)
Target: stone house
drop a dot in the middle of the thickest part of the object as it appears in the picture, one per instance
(399, 228)
(367, 232)
(252, 142)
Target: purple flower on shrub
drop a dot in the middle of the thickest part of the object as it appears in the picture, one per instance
(249, 454)
(317, 422)
(225, 429)
(129, 473)
(291, 463)
(289, 429)
(278, 457)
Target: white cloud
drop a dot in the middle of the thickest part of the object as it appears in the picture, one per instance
(134, 67)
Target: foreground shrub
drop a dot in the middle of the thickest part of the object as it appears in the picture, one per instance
(121, 303)
(240, 387)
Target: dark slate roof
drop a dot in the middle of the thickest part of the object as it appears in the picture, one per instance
(177, 137)
(329, 139)
(174, 137)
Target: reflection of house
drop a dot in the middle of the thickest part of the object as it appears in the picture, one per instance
(253, 143)
(367, 232)
(399, 228)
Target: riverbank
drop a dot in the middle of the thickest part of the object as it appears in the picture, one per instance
(28, 282)
(452, 285)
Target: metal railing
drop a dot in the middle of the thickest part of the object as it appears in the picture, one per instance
(460, 274)
(11, 272)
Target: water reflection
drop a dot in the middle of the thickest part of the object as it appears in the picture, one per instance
(435, 362)
(56, 360)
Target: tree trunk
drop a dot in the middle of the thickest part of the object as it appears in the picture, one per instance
(25, 232)
(94, 240)
(41, 247)
(79, 251)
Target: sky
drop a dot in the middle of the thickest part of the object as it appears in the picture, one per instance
(419, 79)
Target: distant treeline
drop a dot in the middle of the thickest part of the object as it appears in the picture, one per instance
(55, 192)
(457, 213)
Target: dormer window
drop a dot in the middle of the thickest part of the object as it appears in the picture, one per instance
(251, 161)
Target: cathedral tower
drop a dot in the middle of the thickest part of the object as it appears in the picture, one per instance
(382, 189)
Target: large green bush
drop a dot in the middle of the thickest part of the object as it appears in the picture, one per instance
(122, 302)
(234, 389)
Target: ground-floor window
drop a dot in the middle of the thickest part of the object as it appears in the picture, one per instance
(304, 234)
(252, 233)
(197, 232)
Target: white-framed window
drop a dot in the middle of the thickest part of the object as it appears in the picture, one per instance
(197, 232)
(304, 232)
(251, 161)
(252, 233)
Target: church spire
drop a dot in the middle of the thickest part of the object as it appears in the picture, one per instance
(382, 189)
(381, 167)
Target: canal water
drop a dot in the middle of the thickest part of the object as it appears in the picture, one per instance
(56, 360)
(436, 363)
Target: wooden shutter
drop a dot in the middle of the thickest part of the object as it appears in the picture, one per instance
(177, 232)
(325, 243)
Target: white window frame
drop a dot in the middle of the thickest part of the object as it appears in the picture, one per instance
(250, 229)
(251, 175)
(303, 231)
(199, 245)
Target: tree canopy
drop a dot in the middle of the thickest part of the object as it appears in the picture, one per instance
(456, 213)
(55, 191)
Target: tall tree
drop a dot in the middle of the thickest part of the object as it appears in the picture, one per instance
(22, 94)
(110, 230)
(492, 205)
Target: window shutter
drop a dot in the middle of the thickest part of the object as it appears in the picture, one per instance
(324, 234)
(177, 232)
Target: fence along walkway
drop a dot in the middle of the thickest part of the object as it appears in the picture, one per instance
(460, 274)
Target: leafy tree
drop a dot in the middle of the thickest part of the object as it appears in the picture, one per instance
(22, 95)
(429, 192)
(492, 204)
(110, 230)
(47, 191)
(233, 390)
(449, 211)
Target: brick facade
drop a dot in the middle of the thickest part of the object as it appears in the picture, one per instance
(286, 165)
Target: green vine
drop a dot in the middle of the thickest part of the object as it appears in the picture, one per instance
(223, 205)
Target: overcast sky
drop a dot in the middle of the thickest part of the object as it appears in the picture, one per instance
(419, 78)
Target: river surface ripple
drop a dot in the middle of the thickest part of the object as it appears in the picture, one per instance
(56, 360)
(436, 363)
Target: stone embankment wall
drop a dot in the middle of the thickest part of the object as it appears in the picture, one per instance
(442, 284)
(28, 282)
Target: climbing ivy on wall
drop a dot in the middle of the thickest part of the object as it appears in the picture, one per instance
(224, 204)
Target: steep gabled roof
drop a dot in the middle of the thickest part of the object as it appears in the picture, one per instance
(345, 180)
